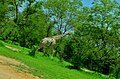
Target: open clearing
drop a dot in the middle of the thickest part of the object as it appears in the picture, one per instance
(10, 69)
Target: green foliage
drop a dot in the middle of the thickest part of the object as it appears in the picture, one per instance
(96, 30)
(46, 68)
(33, 50)
(27, 26)
(68, 50)
(1, 44)
(33, 30)
(63, 16)
(95, 40)
(60, 49)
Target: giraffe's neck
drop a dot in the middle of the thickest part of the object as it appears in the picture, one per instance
(58, 36)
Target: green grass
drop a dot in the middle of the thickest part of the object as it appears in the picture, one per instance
(45, 67)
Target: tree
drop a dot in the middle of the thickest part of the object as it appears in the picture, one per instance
(62, 13)
(104, 14)
(23, 24)
(5, 15)
(32, 27)
(60, 16)
(95, 37)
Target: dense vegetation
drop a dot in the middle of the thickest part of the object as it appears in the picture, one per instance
(44, 67)
(95, 31)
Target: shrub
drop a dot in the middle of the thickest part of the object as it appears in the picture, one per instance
(1, 43)
(33, 51)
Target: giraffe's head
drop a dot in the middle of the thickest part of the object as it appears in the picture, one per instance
(68, 33)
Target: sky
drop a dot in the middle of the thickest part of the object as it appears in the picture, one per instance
(88, 3)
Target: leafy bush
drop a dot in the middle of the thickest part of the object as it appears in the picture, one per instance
(1, 38)
(1, 43)
(33, 51)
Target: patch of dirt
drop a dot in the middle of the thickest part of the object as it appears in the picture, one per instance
(9, 69)
(12, 48)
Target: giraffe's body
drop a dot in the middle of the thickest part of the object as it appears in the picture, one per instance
(49, 43)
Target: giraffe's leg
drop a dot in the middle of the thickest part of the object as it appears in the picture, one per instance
(52, 52)
(44, 51)
(47, 51)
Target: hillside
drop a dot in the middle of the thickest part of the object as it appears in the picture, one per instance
(41, 66)
(12, 69)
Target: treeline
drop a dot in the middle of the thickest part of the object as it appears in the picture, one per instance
(95, 39)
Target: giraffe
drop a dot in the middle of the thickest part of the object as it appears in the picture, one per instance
(48, 44)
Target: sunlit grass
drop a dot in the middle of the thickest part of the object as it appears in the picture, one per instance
(44, 66)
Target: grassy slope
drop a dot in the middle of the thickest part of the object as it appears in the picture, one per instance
(45, 66)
